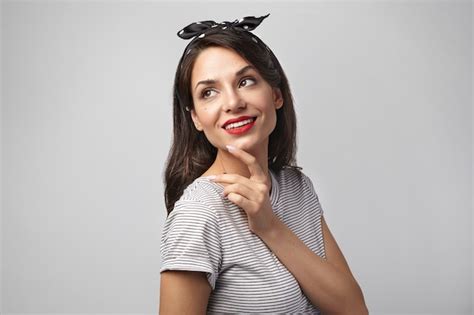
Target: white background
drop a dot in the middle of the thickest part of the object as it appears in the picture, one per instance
(383, 94)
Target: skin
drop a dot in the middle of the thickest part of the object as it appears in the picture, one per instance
(230, 97)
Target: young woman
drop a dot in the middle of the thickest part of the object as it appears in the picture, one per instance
(245, 232)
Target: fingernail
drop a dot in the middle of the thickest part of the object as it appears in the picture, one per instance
(230, 148)
(211, 177)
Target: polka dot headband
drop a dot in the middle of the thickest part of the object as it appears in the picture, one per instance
(198, 30)
(248, 23)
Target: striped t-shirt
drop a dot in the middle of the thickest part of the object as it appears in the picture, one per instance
(208, 233)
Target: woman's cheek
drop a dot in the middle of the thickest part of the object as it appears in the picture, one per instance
(213, 139)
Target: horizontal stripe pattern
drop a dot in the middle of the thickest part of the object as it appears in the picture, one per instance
(207, 233)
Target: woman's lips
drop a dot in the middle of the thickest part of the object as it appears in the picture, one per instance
(241, 129)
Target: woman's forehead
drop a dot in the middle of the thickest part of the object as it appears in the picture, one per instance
(215, 63)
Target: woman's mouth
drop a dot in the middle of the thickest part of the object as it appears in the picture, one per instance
(241, 126)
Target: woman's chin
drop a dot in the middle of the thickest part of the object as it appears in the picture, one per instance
(247, 145)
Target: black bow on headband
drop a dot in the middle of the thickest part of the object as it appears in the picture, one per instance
(247, 23)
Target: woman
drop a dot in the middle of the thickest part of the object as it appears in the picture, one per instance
(245, 232)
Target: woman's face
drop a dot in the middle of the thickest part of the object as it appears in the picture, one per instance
(225, 86)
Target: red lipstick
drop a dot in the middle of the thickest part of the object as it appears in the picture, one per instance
(238, 128)
(233, 120)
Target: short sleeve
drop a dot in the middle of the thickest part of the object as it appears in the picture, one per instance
(312, 193)
(191, 240)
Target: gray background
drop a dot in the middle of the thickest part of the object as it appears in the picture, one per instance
(383, 97)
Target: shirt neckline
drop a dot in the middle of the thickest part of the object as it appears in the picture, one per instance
(275, 189)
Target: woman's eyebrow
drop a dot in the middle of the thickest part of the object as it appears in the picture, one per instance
(240, 72)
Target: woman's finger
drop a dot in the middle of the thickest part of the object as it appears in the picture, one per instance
(232, 179)
(242, 202)
(255, 169)
(241, 189)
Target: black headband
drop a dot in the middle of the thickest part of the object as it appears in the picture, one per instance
(199, 29)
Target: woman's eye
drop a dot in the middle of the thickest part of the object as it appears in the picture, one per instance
(247, 79)
(205, 93)
(208, 92)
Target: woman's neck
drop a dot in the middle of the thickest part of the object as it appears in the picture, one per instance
(227, 163)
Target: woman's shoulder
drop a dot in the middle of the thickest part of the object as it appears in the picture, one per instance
(290, 174)
(203, 191)
(294, 177)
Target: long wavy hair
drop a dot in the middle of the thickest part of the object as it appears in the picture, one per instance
(191, 154)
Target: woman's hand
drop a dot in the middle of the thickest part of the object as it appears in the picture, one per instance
(250, 194)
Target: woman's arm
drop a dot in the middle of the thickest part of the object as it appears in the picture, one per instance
(183, 292)
(329, 284)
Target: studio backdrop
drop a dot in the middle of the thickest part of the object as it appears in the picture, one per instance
(382, 92)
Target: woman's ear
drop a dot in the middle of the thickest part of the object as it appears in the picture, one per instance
(195, 119)
(277, 98)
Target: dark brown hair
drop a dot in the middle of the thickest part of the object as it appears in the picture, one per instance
(191, 154)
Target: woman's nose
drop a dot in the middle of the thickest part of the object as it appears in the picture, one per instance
(233, 100)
